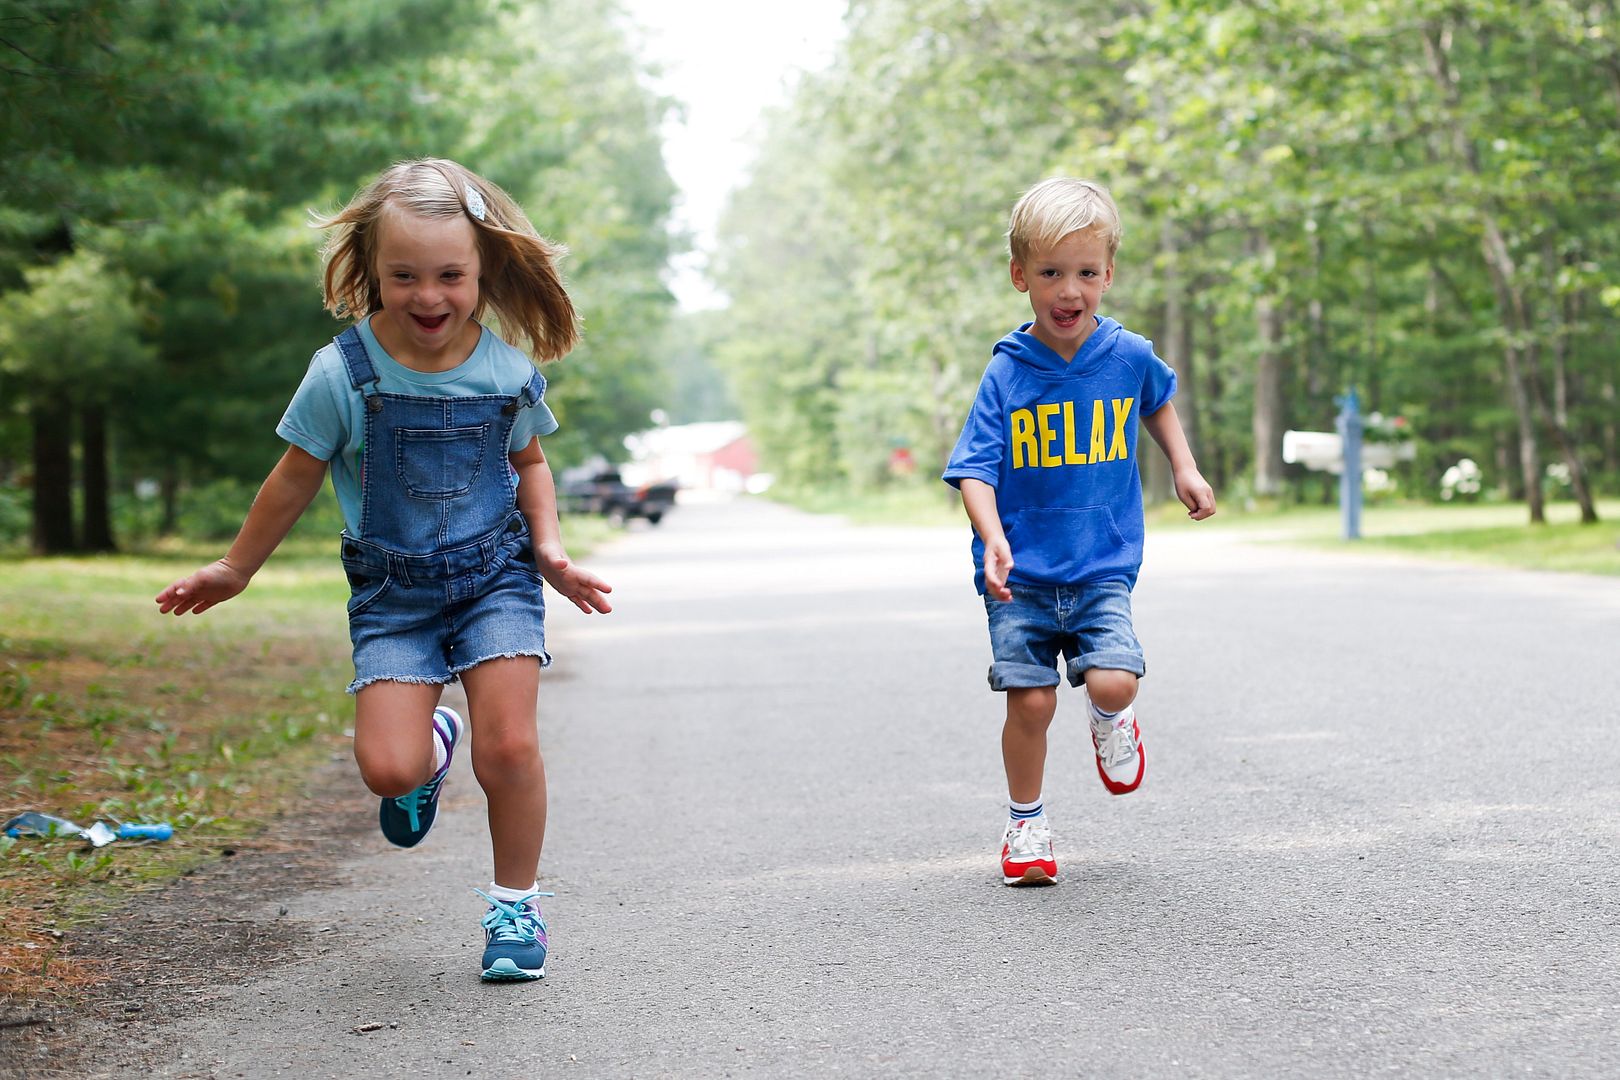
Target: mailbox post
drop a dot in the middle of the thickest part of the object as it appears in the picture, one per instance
(1348, 423)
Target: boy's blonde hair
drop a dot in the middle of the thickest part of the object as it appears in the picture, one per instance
(518, 280)
(1054, 208)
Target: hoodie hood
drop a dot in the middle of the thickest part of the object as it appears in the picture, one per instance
(1029, 350)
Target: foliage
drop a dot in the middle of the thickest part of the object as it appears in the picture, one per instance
(162, 160)
(1409, 198)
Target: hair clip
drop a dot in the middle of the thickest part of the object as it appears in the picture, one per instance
(475, 202)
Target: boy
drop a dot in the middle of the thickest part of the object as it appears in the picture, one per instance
(1047, 467)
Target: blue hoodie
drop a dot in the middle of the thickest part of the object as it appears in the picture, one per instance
(1057, 440)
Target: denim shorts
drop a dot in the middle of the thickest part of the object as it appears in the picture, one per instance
(426, 619)
(1089, 624)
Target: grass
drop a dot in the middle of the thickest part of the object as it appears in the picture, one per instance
(1493, 533)
(1497, 534)
(111, 711)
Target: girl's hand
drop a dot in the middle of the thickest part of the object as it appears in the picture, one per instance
(213, 584)
(584, 588)
(1195, 494)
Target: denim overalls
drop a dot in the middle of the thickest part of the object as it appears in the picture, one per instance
(442, 574)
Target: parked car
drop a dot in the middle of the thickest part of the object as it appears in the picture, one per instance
(607, 494)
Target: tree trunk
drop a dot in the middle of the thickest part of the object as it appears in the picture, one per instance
(169, 492)
(1611, 435)
(1217, 470)
(52, 530)
(1268, 421)
(1173, 349)
(94, 480)
(1499, 264)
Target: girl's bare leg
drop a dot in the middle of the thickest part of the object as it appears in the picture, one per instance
(393, 735)
(502, 695)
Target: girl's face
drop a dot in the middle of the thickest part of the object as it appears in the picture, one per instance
(427, 269)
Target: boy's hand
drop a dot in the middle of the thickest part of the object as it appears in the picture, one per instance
(582, 587)
(213, 584)
(1195, 493)
(998, 563)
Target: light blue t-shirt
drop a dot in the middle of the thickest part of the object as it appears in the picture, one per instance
(326, 417)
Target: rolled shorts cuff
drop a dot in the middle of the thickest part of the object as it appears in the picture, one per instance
(1009, 675)
(1113, 660)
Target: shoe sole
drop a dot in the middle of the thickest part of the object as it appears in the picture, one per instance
(1033, 876)
(1114, 786)
(504, 970)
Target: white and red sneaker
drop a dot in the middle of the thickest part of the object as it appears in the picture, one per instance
(1121, 762)
(1026, 852)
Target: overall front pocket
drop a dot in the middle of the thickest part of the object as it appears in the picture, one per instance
(440, 463)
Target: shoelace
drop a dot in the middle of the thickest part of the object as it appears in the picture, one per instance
(1029, 841)
(514, 923)
(1117, 747)
(413, 802)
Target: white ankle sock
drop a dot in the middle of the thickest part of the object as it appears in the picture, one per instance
(1019, 810)
(440, 754)
(501, 892)
(1103, 717)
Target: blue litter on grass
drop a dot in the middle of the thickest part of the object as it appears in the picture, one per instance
(100, 834)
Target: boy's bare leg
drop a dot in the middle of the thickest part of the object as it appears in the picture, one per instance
(393, 735)
(1023, 740)
(501, 696)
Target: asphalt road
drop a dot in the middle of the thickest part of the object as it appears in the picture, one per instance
(1377, 837)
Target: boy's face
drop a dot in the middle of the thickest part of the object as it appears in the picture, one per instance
(1065, 283)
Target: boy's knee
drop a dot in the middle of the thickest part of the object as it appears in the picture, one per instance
(1031, 705)
(1111, 690)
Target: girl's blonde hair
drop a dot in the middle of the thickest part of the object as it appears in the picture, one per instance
(519, 279)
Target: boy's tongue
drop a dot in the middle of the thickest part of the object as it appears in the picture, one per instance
(1065, 319)
(432, 323)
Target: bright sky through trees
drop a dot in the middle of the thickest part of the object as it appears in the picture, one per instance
(724, 60)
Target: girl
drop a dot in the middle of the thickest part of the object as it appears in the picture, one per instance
(430, 424)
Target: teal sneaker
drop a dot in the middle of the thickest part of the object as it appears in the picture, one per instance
(514, 939)
(406, 820)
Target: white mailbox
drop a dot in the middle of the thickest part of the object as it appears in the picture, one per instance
(1323, 451)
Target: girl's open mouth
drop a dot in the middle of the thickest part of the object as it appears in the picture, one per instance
(431, 323)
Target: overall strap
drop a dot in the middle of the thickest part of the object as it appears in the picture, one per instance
(361, 372)
(528, 397)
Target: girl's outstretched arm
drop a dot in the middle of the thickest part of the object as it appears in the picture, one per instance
(537, 498)
(283, 497)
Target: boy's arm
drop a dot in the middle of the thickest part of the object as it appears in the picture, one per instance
(979, 498)
(283, 497)
(537, 498)
(1191, 487)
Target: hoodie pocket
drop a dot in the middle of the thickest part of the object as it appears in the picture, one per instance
(1064, 546)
